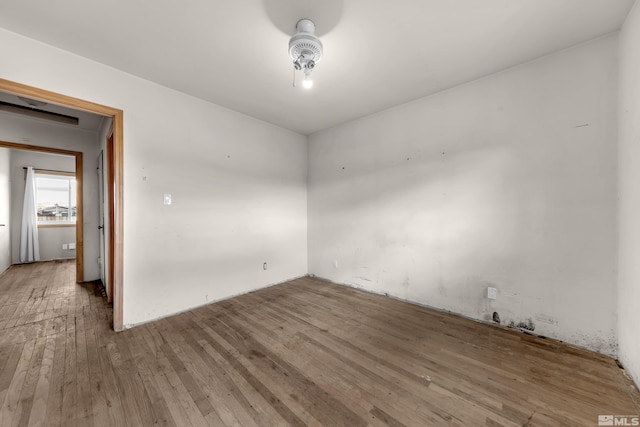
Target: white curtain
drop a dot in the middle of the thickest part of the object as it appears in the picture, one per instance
(29, 247)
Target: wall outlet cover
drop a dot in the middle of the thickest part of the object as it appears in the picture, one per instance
(492, 293)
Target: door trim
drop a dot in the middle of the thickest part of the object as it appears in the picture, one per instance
(116, 236)
(109, 146)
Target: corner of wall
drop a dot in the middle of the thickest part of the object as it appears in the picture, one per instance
(629, 194)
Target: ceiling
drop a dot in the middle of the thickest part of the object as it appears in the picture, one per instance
(378, 53)
(87, 121)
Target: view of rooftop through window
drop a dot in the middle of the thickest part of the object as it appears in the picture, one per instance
(56, 198)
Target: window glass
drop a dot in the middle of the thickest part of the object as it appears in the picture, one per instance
(56, 199)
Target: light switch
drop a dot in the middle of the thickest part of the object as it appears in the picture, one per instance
(167, 199)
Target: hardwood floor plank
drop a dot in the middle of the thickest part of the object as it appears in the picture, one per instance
(27, 393)
(144, 362)
(173, 388)
(5, 351)
(131, 384)
(385, 418)
(83, 410)
(54, 401)
(69, 385)
(169, 394)
(37, 417)
(11, 401)
(109, 386)
(9, 368)
(99, 412)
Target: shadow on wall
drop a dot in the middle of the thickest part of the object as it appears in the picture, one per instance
(428, 215)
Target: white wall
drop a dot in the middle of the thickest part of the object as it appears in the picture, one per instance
(629, 195)
(238, 185)
(50, 239)
(5, 208)
(508, 181)
(42, 133)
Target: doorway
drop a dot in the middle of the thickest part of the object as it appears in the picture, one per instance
(114, 240)
(53, 231)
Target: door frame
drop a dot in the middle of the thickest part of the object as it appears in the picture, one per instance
(105, 165)
(79, 196)
(116, 209)
(110, 163)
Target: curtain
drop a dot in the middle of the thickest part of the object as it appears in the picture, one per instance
(29, 247)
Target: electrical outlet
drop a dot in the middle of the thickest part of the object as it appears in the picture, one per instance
(72, 246)
(492, 293)
(167, 199)
(264, 266)
(65, 246)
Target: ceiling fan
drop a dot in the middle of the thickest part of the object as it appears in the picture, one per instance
(306, 50)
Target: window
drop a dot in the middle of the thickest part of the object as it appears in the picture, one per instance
(56, 199)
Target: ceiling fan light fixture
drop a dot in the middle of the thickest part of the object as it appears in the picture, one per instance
(305, 49)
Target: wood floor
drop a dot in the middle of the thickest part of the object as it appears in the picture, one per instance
(302, 353)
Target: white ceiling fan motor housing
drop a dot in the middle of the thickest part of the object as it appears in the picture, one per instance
(304, 46)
